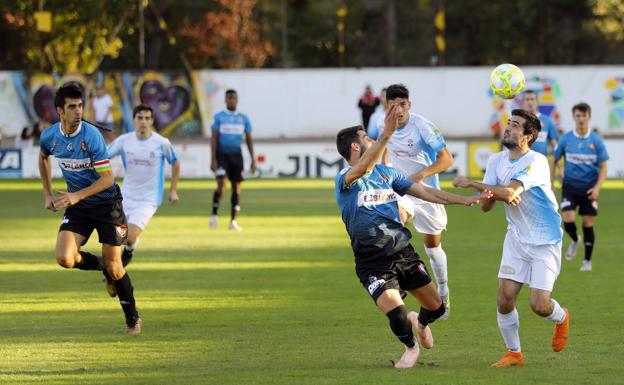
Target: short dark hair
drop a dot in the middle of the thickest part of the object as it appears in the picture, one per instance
(230, 91)
(583, 107)
(142, 107)
(345, 137)
(72, 90)
(397, 91)
(532, 125)
(529, 92)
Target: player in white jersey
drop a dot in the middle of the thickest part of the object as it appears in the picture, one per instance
(520, 177)
(417, 148)
(144, 153)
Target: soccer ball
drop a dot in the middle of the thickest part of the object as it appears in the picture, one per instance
(507, 80)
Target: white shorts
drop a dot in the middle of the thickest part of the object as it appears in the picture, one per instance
(537, 266)
(429, 218)
(139, 214)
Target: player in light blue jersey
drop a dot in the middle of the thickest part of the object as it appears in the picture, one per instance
(229, 128)
(385, 262)
(375, 123)
(144, 153)
(585, 169)
(547, 136)
(93, 200)
(520, 178)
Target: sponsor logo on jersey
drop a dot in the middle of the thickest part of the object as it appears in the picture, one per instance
(376, 197)
(70, 147)
(542, 136)
(581, 158)
(83, 146)
(231, 129)
(74, 164)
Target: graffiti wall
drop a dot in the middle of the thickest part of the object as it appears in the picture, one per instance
(170, 94)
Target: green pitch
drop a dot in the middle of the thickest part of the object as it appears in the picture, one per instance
(279, 303)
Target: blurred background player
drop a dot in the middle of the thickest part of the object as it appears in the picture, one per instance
(418, 149)
(368, 102)
(532, 248)
(585, 169)
(376, 122)
(93, 200)
(385, 262)
(228, 128)
(102, 111)
(548, 134)
(144, 153)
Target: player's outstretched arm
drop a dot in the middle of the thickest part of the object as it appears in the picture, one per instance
(67, 199)
(509, 194)
(444, 160)
(443, 197)
(371, 156)
(45, 171)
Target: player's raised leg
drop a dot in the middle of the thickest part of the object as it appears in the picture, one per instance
(68, 254)
(123, 284)
(431, 309)
(509, 323)
(437, 259)
(543, 305)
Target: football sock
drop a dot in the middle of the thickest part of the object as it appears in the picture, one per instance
(89, 262)
(235, 205)
(126, 256)
(589, 237)
(425, 317)
(216, 197)
(437, 259)
(125, 291)
(558, 314)
(401, 325)
(570, 228)
(133, 246)
(509, 325)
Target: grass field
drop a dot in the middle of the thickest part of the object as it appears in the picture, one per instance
(279, 303)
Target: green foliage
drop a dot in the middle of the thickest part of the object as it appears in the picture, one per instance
(279, 303)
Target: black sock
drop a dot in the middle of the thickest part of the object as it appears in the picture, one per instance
(125, 291)
(401, 326)
(126, 256)
(588, 234)
(235, 205)
(570, 228)
(425, 317)
(90, 262)
(216, 197)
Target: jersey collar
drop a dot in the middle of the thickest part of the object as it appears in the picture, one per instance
(582, 137)
(72, 135)
(231, 112)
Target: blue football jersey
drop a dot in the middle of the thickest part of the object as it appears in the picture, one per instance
(547, 133)
(370, 211)
(80, 156)
(231, 127)
(582, 157)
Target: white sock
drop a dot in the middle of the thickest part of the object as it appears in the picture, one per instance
(133, 246)
(558, 314)
(437, 259)
(509, 325)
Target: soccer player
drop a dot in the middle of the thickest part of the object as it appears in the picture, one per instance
(144, 153)
(385, 262)
(584, 171)
(93, 200)
(378, 116)
(417, 148)
(548, 133)
(532, 249)
(228, 128)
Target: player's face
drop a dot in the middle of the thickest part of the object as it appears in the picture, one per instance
(513, 136)
(530, 102)
(581, 119)
(365, 142)
(143, 122)
(403, 107)
(231, 100)
(71, 113)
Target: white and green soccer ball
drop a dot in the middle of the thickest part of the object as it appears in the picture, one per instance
(507, 80)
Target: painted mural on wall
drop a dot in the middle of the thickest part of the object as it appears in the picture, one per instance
(170, 95)
(548, 92)
(615, 86)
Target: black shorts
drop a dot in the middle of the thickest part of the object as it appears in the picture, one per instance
(403, 271)
(108, 219)
(231, 165)
(571, 198)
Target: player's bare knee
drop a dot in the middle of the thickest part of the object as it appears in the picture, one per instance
(505, 304)
(65, 260)
(115, 270)
(541, 308)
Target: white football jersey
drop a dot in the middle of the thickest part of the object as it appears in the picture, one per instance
(144, 164)
(414, 147)
(536, 219)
